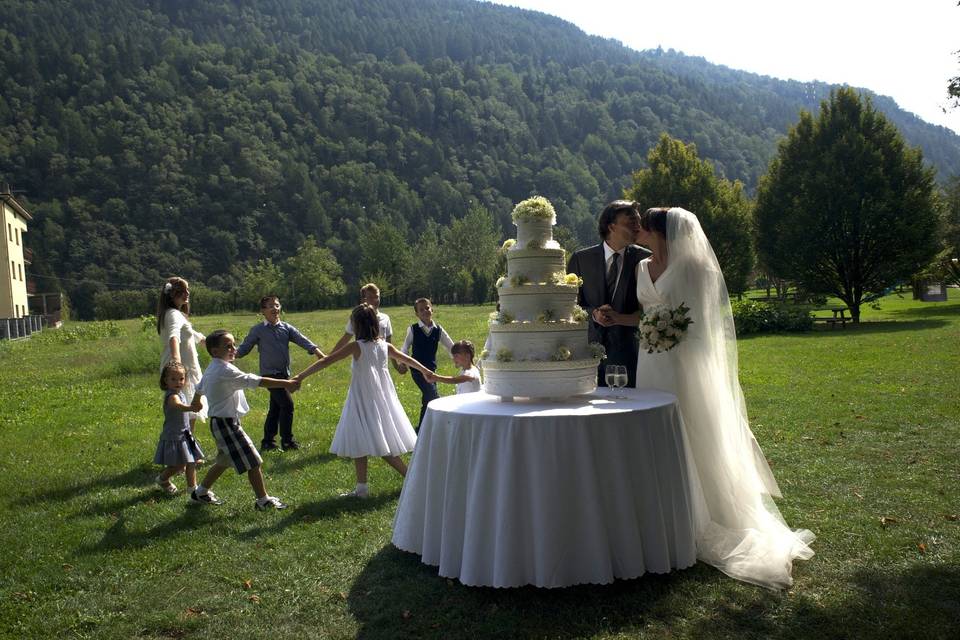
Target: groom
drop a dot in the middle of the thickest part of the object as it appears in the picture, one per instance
(609, 290)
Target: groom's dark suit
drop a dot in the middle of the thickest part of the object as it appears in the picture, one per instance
(620, 342)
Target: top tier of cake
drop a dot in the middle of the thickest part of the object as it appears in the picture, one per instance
(536, 234)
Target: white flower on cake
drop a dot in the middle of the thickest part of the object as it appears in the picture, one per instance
(500, 281)
(507, 245)
(546, 316)
(570, 279)
(562, 354)
(536, 208)
(535, 244)
(662, 328)
(598, 351)
(504, 355)
(484, 354)
(579, 315)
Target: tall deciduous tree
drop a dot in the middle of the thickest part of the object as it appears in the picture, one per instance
(846, 207)
(314, 277)
(257, 280)
(951, 216)
(677, 177)
(947, 264)
(384, 257)
(469, 248)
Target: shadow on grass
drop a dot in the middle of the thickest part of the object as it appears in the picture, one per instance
(119, 536)
(873, 327)
(286, 461)
(920, 602)
(398, 596)
(931, 309)
(116, 507)
(138, 476)
(320, 510)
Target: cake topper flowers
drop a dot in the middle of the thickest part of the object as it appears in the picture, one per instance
(535, 208)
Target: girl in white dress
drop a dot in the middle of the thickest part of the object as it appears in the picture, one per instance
(740, 529)
(373, 422)
(468, 380)
(178, 339)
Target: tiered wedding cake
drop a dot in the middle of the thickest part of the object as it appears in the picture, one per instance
(538, 340)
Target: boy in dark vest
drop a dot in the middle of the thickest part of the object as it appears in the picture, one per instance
(424, 336)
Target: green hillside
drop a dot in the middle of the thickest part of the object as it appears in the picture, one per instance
(192, 136)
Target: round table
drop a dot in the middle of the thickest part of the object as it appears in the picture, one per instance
(549, 493)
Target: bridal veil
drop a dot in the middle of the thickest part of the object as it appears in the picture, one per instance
(741, 531)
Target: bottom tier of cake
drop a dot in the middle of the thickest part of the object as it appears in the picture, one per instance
(539, 379)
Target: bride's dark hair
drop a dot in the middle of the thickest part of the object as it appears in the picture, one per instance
(655, 219)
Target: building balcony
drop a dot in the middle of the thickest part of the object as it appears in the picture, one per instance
(27, 256)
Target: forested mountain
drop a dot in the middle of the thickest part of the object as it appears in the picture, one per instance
(190, 136)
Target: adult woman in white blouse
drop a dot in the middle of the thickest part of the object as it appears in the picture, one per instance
(177, 337)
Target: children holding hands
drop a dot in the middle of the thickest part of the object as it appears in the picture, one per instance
(468, 380)
(373, 422)
(424, 336)
(370, 294)
(272, 337)
(223, 384)
(177, 449)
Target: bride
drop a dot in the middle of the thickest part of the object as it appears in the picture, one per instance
(740, 530)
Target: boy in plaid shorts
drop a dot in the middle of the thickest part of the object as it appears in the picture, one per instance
(223, 385)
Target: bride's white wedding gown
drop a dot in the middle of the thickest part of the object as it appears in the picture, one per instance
(739, 529)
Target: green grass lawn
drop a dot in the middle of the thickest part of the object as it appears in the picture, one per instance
(861, 426)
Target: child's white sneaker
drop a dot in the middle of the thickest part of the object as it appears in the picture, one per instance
(206, 498)
(269, 502)
(165, 485)
(356, 493)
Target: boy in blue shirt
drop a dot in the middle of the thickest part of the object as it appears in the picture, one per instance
(272, 338)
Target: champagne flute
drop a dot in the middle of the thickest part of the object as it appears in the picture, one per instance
(622, 377)
(610, 376)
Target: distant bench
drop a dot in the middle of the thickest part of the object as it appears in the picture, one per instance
(839, 316)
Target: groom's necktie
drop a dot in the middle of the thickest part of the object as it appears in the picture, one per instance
(612, 273)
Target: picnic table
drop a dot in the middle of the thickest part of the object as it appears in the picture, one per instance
(839, 316)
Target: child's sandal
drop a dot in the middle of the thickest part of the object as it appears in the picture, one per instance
(166, 485)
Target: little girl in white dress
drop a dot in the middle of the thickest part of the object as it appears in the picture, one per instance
(373, 422)
(468, 380)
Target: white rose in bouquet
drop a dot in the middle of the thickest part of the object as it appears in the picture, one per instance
(662, 328)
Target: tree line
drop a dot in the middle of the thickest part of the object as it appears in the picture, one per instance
(211, 139)
(846, 209)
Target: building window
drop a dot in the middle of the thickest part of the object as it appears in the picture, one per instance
(20, 271)
(9, 232)
(16, 233)
(13, 270)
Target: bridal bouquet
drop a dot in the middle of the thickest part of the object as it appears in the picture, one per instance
(662, 328)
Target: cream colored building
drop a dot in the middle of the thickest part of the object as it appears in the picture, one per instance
(13, 285)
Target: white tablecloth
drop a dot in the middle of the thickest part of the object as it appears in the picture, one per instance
(550, 494)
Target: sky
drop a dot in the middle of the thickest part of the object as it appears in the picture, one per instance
(905, 49)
